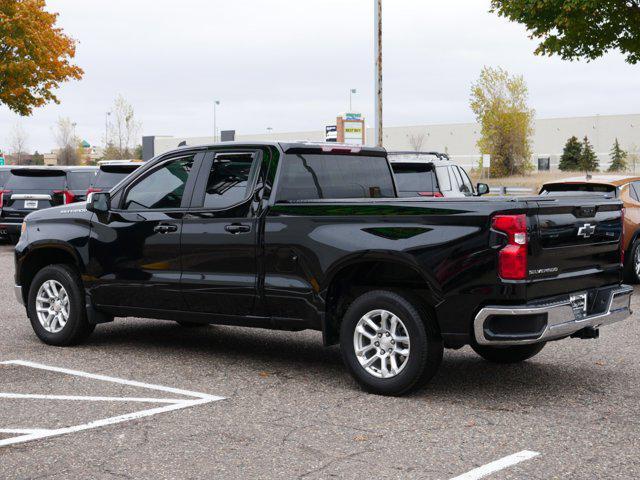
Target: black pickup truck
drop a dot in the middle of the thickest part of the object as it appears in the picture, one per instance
(313, 236)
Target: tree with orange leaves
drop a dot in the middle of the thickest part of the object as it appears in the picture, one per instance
(35, 55)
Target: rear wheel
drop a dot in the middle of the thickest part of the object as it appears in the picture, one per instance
(390, 343)
(56, 306)
(513, 354)
(632, 263)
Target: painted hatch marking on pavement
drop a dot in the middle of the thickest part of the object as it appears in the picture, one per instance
(169, 404)
(498, 465)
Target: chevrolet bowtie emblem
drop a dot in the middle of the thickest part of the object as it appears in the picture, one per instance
(586, 230)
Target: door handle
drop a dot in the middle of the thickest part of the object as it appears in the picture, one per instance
(236, 228)
(165, 228)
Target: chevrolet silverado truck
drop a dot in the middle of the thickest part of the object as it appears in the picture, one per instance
(297, 236)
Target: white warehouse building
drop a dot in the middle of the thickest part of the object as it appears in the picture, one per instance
(459, 140)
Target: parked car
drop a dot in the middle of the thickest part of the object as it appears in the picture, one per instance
(28, 189)
(431, 174)
(110, 173)
(79, 179)
(624, 187)
(297, 236)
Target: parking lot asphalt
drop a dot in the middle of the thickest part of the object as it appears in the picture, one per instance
(290, 409)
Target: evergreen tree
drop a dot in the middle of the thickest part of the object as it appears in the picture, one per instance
(588, 158)
(570, 159)
(618, 158)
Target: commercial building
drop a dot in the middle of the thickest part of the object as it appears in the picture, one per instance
(459, 140)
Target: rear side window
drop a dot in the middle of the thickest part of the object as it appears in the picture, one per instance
(80, 180)
(36, 180)
(317, 176)
(415, 177)
(443, 179)
(231, 179)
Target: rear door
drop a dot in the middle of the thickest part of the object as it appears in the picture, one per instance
(220, 235)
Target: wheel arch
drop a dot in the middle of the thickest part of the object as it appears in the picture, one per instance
(364, 271)
(40, 256)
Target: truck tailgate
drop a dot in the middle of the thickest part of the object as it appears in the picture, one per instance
(575, 245)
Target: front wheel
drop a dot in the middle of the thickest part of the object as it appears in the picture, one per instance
(56, 306)
(390, 343)
(513, 354)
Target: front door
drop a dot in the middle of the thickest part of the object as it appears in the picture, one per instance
(219, 235)
(136, 247)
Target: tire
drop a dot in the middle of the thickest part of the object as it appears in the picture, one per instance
(412, 321)
(632, 264)
(191, 324)
(505, 355)
(76, 329)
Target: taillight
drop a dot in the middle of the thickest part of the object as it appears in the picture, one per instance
(93, 190)
(431, 194)
(512, 259)
(67, 196)
(2, 194)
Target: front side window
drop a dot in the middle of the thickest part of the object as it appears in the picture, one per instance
(311, 176)
(231, 179)
(162, 189)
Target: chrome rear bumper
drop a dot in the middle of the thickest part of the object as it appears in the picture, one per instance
(561, 319)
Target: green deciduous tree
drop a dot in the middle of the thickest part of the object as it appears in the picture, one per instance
(570, 159)
(588, 158)
(577, 29)
(35, 55)
(499, 102)
(618, 158)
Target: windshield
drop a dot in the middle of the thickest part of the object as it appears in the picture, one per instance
(80, 180)
(36, 180)
(415, 177)
(316, 176)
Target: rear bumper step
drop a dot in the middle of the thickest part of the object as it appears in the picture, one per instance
(515, 325)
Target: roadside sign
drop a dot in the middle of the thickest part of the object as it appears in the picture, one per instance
(1, 160)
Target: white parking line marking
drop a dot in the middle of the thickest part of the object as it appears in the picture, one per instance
(27, 435)
(498, 465)
(87, 399)
(22, 431)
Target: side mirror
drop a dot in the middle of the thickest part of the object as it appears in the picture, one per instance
(482, 189)
(99, 202)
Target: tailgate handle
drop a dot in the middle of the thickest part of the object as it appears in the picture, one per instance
(589, 211)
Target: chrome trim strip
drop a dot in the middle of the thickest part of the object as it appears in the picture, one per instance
(561, 320)
(17, 290)
(30, 196)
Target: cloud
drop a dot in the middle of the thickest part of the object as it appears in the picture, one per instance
(289, 65)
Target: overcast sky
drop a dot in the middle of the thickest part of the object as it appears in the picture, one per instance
(289, 64)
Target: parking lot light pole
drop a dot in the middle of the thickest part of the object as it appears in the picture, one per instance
(378, 63)
(215, 124)
(106, 129)
(352, 92)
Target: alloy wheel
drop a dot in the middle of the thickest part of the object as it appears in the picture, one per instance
(381, 343)
(52, 306)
